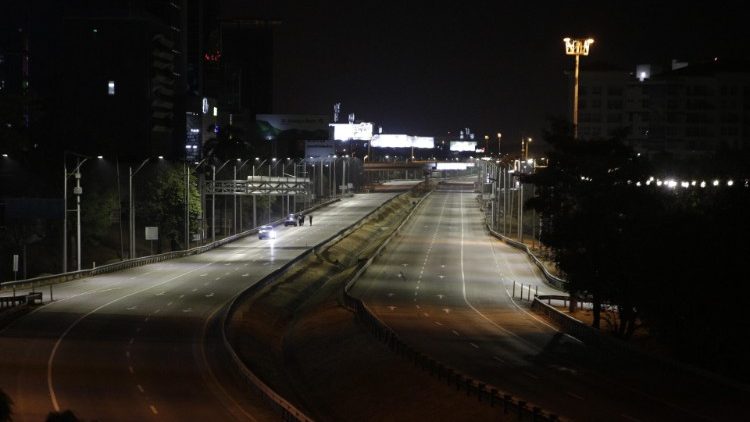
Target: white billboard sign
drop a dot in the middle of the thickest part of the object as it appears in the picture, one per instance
(352, 131)
(427, 142)
(390, 141)
(463, 146)
(402, 141)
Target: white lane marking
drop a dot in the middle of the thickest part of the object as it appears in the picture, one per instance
(159, 294)
(531, 375)
(217, 278)
(391, 307)
(127, 354)
(169, 304)
(131, 308)
(181, 296)
(195, 290)
(575, 396)
(426, 314)
(153, 410)
(132, 339)
(441, 276)
(474, 345)
(438, 323)
(130, 369)
(188, 310)
(446, 310)
(50, 387)
(157, 311)
(210, 294)
(390, 294)
(455, 332)
(418, 307)
(246, 275)
(440, 297)
(204, 274)
(140, 388)
(498, 359)
(463, 288)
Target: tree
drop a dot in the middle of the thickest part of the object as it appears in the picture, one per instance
(588, 207)
(64, 416)
(6, 407)
(163, 203)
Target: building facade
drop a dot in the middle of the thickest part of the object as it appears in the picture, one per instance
(689, 109)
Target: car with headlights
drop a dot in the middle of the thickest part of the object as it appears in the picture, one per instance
(266, 232)
(291, 220)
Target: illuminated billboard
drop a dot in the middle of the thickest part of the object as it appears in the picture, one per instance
(463, 146)
(402, 141)
(427, 142)
(291, 126)
(351, 131)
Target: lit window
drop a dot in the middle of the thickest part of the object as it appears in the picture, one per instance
(111, 87)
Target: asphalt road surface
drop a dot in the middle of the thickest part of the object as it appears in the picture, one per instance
(142, 344)
(444, 285)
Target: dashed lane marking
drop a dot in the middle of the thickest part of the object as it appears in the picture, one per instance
(140, 388)
(455, 332)
(474, 345)
(153, 410)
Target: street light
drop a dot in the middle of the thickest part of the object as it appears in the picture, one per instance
(577, 48)
(131, 213)
(77, 191)
(499, 137)
(234, 207)
(255, 219)
(270, 167)
(213, 199)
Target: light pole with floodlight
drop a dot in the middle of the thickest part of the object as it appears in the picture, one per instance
(77, 191)
(577, 48)
(131, 209)
(213, 199)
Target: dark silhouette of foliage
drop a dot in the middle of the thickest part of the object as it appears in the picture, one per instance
(64, 416)
(673, 259)
(6, 407)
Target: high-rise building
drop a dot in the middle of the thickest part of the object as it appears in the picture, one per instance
(122, 86)
(688, 109)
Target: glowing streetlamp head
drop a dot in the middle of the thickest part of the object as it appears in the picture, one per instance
(577, 47)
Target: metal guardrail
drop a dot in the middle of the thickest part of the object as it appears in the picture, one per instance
(483, 391)
(287, 410)
(43, 281)
(556, 282)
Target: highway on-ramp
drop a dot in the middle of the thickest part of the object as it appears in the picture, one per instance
(444, 286)
(141, 344)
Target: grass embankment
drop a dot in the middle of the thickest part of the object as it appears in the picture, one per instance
(298, 338)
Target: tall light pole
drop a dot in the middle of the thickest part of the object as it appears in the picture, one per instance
(255, 219)
(213, 199)
(131, 209)
(234, 206)
(499, 137)
(577, 48)
(77, 191)
(270, 167)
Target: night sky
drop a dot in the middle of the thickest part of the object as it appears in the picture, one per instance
(425, 68)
